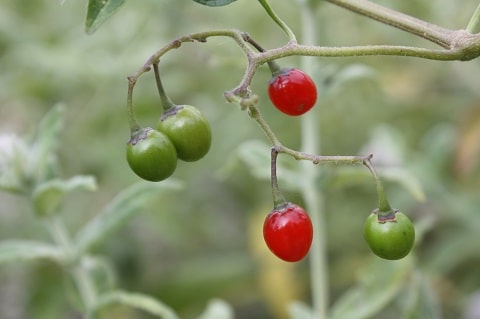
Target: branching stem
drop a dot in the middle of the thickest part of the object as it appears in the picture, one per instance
(461, 45)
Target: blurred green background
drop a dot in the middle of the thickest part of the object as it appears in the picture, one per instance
(205, 241)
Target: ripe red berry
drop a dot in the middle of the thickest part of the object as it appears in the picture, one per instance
(292, 91)
(288, 232)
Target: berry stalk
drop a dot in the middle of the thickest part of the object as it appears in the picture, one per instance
(385, 211)
(278, 198)
(165, 101)
(132, 119)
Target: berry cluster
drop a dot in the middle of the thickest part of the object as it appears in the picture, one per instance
(184, 133)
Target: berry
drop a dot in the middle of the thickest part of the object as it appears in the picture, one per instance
(288, 232)
(292, 91)
(151, 155)
(188, 130)
(389, 237)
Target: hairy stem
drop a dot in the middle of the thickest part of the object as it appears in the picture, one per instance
(429, 31)
(383, 204)
(132, 119)
(278, 199)
(81, 277)
(165, 101)
(278, 21)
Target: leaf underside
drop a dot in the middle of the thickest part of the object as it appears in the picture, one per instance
(214, 3)
(99, 11)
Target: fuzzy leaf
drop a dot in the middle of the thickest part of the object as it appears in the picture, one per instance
(217, 309)
(99, 11)
(25, 250)
(256, 155)
(48, 196)
(119, 210)
(299, 310)
(214, 3)
(407, 179)
(138, 301)
(380, 282)
(419, 300)
(42, 156)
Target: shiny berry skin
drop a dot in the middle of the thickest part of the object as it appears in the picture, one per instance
(151, 155)
(288, 232)
(188, 130)
(292, 91)
(391, 238)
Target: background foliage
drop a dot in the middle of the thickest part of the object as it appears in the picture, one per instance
(204, 241)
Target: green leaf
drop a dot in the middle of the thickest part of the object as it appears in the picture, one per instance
(407, 179)
(99, 11)
(42, 157)
(14, 163)
(119, 210)
(419, 300)
(217, 309)
(214, 3)
(380, 282)
(138, 301)
(48, 196)
(299, 310)
(25, 250)
(256, 155)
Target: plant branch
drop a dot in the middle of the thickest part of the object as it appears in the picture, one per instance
(256, 115)
(82, 279)
(465, 47)
(462, 46)
(429, 31)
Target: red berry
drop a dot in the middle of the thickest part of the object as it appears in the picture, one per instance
(288, 232)
(292, 91)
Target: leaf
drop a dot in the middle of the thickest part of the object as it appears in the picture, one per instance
(214, 3)
(119, 210)
(256, 155)
(46, 140)
(407, 179)
(299, 310)
(138, 301)
(101, 271)
(48, 196)
(333, 78)
(380, 283)
(14, 163)
(25, 250)
(98, 12)
(453, 250)
(419, 300)
(343, 176)
(217, 309)
(355, 71)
